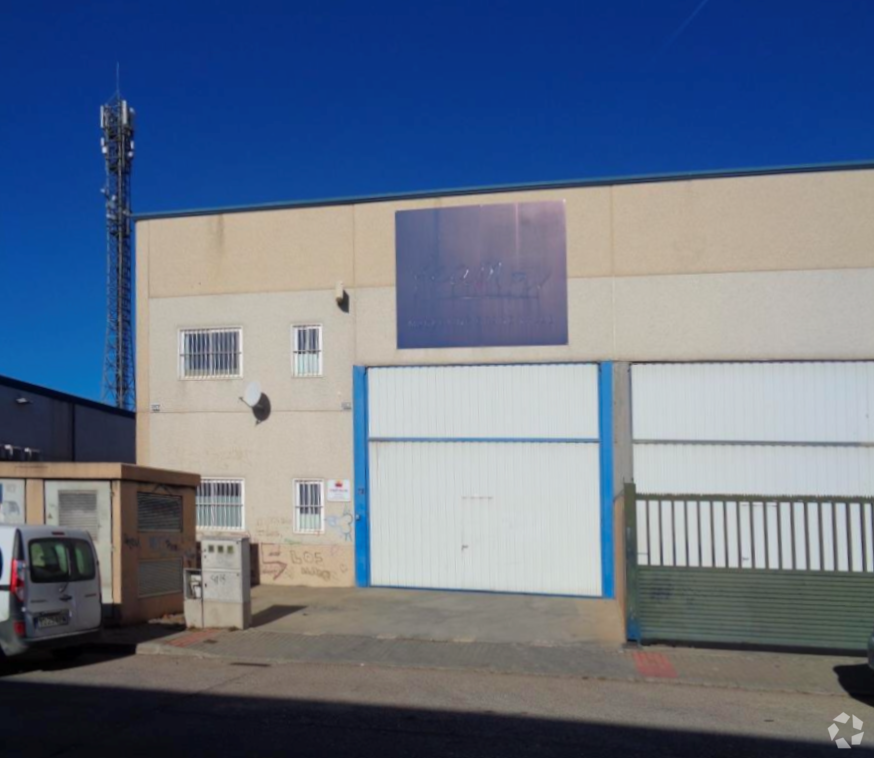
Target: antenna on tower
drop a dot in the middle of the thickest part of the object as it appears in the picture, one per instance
(117, 146)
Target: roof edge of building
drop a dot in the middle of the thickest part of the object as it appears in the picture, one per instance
(501, 188)
(48, 392)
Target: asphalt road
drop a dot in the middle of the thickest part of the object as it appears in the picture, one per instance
(175, 706)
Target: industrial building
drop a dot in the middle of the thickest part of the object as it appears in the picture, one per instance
(40, 424)
(452, 390)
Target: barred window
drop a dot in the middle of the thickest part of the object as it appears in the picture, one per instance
(309, 513)
(220, 504)
(306, 344)
(210, 353)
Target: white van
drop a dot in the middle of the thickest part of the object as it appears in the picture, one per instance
(49, 590)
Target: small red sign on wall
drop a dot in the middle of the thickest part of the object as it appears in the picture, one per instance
(339, 491)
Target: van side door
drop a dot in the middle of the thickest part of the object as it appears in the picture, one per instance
(85, 585)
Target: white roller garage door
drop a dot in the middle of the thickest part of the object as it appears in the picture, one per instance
(485, 478)
(754, 428)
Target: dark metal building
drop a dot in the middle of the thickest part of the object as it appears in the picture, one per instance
(40, 424)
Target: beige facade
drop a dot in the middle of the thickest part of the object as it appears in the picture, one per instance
(768, 267)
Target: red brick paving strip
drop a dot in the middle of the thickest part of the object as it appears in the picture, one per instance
(654, 665)
(193, 638)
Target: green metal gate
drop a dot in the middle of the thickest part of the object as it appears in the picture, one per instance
(745, 570)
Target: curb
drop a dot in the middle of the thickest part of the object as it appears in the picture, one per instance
(804, 675)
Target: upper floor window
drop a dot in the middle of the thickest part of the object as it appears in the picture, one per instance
(306, 345)
(210, 353)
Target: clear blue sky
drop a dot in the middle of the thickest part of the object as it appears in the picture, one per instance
(259, 101)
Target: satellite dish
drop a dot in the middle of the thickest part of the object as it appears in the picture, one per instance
(252, 394)
(257, 401)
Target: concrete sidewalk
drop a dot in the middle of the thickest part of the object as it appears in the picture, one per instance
(437, 615)
(492, 633)
(814, 674)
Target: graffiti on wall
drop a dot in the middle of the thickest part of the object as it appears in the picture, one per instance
(279, 530)
(273, 530)
(342, 524)
(161, 546)
(308, 565)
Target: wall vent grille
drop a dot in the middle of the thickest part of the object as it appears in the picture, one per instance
(159, 513)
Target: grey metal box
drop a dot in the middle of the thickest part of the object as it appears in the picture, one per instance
(227, 615)
(226, 582)
(224, 586)
(225, 553)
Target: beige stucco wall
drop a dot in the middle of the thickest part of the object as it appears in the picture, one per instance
(143, 356)
(273, 251)
(779, 222)
(291, 444)
(266, 320)
(782, 222)
(780, 315)
(769, 267)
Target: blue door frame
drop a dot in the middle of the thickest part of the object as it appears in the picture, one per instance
(362, 485)
(605, 449)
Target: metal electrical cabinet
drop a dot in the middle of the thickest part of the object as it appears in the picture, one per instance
(226, 579)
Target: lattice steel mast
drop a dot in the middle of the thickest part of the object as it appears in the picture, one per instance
(117, 144)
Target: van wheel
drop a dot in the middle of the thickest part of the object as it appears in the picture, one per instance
(67, 653)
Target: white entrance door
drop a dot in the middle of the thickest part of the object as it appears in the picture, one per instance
(485, 478)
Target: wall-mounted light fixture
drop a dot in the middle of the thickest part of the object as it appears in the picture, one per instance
(342, 297)
(23, 401)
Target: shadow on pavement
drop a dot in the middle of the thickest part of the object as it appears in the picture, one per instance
(124, 639)
(41, 719)
(857, 681)
(274, 613)
(43, 661)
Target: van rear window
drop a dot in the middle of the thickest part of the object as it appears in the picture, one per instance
(60, 560)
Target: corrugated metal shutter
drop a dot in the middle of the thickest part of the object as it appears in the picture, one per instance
(754, 521)
(738, 606)
(158, 512)
(159, 577)
(77, 509)
(754, 571)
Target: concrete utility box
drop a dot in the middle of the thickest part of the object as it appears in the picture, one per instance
(142, 521)
(226, 582)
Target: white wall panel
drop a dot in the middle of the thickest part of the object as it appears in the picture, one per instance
(518, 517)
(754, 470)
(558, 401)
(812, 425)
(756, 402)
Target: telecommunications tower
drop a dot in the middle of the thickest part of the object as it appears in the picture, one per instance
(117, 145)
